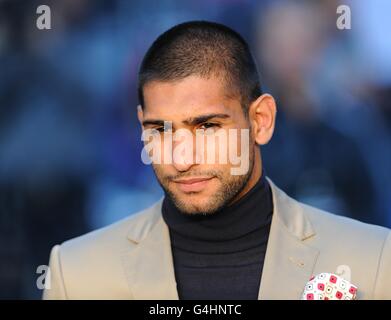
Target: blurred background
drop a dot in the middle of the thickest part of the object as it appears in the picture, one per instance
(70, 142)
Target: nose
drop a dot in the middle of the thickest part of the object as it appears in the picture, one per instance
(182, 167)
(183, 157)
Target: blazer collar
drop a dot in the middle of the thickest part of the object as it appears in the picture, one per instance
(148, 264)
(288, 265)
(289, 260)
(290, 213)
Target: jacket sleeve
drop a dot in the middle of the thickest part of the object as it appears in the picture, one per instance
(383, 279)
(56, 290)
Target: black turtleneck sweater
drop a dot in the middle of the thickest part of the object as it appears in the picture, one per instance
(220, 256)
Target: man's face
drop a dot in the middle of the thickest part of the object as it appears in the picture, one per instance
(196, 103)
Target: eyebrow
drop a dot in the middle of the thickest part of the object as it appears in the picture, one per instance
(190, 121)
(203, 118)
(153, 122)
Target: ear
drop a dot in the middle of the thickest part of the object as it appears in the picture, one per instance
(262, 113)
(140, 115)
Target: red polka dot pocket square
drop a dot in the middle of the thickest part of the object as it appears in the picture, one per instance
(328, 286)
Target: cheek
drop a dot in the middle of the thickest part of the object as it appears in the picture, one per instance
(212, 148)
(241, 140)
(228, 147)
(152, 149)
(158, 148)
(161, 170)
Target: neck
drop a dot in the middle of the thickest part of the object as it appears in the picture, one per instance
(231, 225)
(230, 244)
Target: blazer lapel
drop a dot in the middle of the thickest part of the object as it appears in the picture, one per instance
(289, 261)
(149, 266)
(288, 266)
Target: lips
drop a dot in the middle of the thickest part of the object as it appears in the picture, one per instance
(193, 184)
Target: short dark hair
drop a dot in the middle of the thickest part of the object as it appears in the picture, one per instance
(202, 48)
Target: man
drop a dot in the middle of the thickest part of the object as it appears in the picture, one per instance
(217, 233)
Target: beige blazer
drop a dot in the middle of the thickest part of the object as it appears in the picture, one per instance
(132, 258)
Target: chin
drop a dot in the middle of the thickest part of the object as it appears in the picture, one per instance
(195, 204)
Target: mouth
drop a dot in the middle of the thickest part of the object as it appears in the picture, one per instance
(193, 184)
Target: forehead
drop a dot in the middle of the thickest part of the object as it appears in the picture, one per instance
(190, 96)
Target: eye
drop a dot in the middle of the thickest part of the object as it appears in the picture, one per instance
(208, 125)
(162, 129)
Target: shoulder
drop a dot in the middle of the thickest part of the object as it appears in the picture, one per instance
(91, 265)
(328, 227)
(334, 226)
(114, 236)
